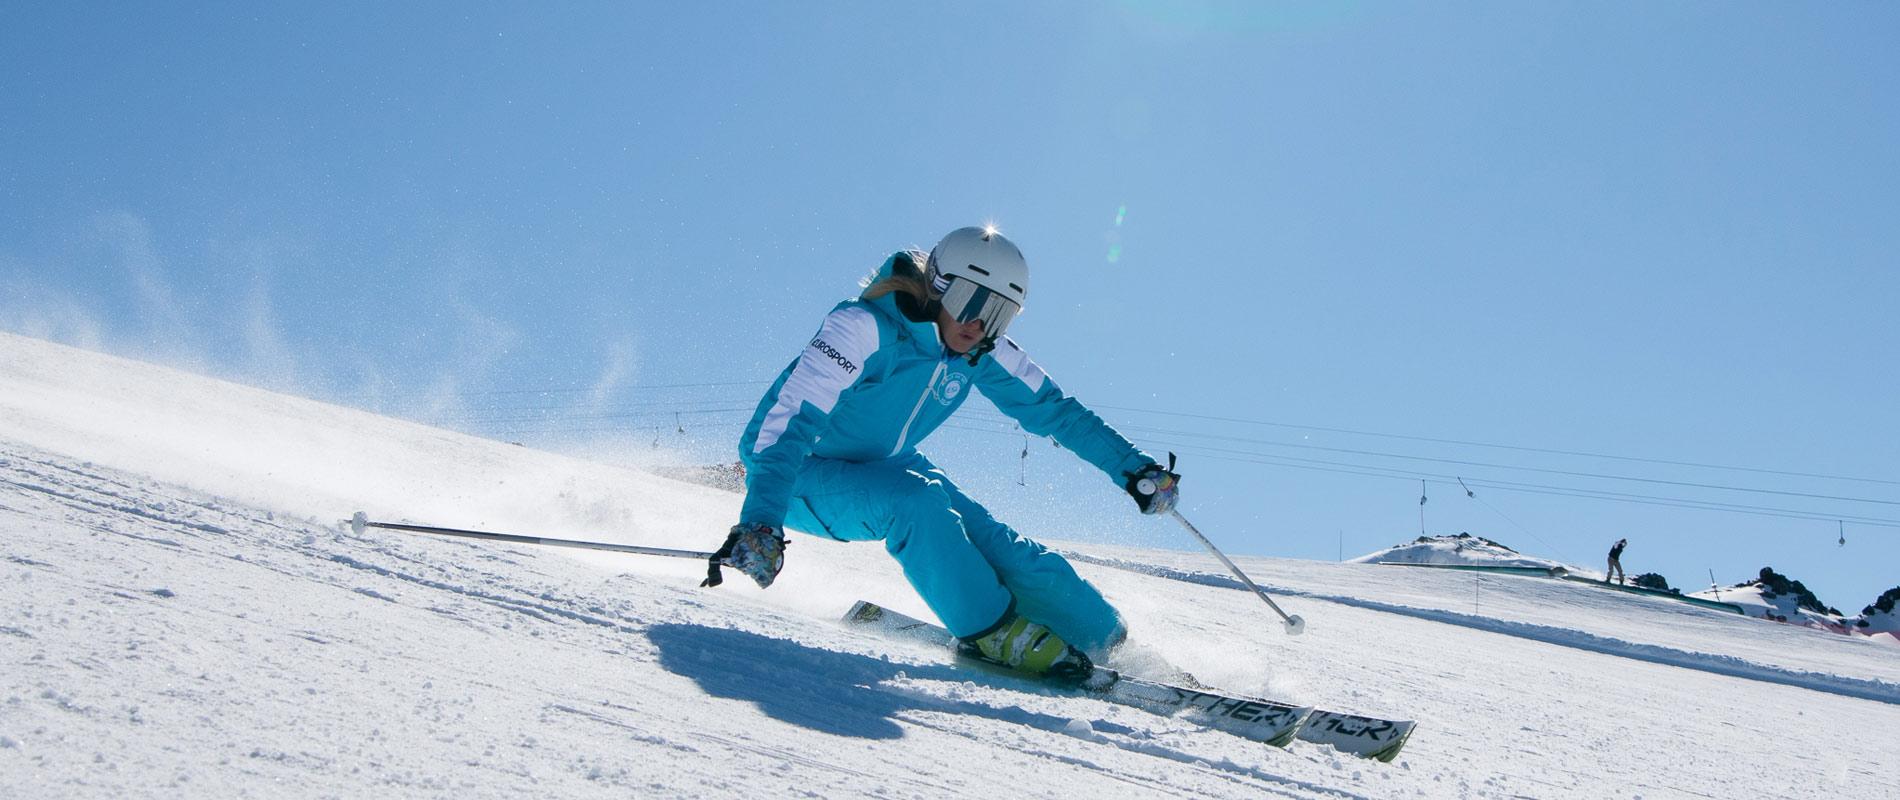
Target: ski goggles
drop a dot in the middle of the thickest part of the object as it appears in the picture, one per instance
(966, 301)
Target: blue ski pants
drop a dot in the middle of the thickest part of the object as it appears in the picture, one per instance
(968, 567)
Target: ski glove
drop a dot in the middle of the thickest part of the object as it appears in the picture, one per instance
(1155, 488)
(756, 550)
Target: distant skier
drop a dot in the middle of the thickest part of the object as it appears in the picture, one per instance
(1616, 561)
(832, 451)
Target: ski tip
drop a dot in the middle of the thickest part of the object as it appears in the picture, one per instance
(1386, 754)
(863, 611)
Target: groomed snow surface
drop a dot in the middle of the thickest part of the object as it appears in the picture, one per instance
(183, 616)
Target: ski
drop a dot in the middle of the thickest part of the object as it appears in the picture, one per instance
(1247, 717)
(1258, 719)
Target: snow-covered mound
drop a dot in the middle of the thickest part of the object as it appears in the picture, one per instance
(1462, 550)
(1781, 599)
(181, 615)
(1883, 617)
(1758, 601)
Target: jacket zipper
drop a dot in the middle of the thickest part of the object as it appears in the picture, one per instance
(905, 433)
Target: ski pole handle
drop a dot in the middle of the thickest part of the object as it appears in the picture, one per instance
(1295, 624)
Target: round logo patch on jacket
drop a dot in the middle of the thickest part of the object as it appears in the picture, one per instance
(951, 387)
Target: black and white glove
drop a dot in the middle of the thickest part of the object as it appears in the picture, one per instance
(757, 550)
(1155, 488)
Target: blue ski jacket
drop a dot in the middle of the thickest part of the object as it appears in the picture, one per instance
(872, 383)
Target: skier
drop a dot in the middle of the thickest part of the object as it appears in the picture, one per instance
(832, 451)
(1616, 563)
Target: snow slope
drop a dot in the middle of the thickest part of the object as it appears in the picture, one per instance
(183, 614)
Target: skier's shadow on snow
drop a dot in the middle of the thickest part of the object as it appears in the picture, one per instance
(824, 690)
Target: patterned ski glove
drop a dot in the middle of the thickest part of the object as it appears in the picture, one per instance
(756, 550)
(1155, 489)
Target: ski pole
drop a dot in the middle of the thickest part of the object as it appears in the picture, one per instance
(1295, 624)
(359, 521)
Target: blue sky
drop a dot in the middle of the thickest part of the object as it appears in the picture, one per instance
(1323, 252)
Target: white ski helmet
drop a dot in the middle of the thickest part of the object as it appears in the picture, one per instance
(977, 274)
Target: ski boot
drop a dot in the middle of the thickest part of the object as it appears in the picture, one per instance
(1030, 647)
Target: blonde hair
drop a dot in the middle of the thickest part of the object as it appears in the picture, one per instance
(907, 276)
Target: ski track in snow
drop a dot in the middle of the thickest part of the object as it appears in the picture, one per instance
(1732, 666)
